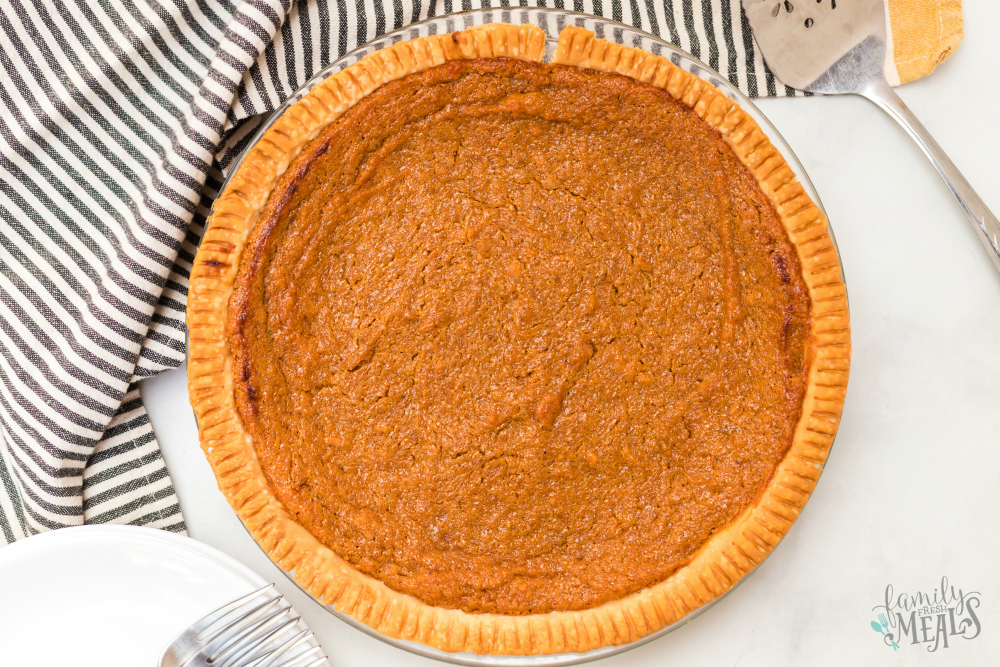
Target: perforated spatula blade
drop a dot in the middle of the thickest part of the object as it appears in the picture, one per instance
(838, 46)
(822, 47)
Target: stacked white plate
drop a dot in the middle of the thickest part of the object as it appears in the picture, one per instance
(104, 596)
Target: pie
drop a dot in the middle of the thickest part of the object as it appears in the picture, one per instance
(515, 357)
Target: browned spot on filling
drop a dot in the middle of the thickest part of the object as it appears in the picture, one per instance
(522, 337)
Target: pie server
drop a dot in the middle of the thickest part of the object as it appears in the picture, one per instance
(838, 47)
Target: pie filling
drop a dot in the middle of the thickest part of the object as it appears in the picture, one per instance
(517, 338)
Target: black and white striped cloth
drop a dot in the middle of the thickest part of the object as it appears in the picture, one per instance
(117, 120)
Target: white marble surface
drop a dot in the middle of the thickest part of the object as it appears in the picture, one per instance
(911, 489)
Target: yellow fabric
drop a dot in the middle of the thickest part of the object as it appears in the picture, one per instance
(924, 33)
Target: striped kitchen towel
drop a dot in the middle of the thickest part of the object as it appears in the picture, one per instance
(117, 119)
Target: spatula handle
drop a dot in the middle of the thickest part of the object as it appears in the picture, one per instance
(983, 221)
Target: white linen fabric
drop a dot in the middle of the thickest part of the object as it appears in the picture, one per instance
(117, 121)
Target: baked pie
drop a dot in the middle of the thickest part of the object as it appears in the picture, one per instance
(506, 356)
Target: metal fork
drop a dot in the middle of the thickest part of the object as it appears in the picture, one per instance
(838, 46)
(243, 633)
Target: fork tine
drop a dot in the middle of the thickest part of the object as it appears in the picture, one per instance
(255, 642)
(224, 649)
(297, 660)
(225, 645)
(305, 655)
(267, 660)
(219, 613)
(240, 623)
(314, 663)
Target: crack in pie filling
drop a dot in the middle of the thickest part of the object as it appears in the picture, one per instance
(513, 347)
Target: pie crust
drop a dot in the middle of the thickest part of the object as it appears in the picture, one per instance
(717, 566)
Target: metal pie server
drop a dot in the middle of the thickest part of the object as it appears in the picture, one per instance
(837, 47)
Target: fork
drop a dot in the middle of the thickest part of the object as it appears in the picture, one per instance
(885, 626)
(821, 46)
(242, 634)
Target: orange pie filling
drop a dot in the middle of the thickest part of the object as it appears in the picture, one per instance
(518, 338)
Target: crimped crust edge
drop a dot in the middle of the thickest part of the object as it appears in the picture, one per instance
(721, 562)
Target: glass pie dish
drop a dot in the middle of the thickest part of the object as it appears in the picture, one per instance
(551, 22)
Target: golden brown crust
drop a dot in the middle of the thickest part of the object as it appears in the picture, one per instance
(721, 562)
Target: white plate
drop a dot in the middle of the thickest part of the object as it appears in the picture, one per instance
(109, 595)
